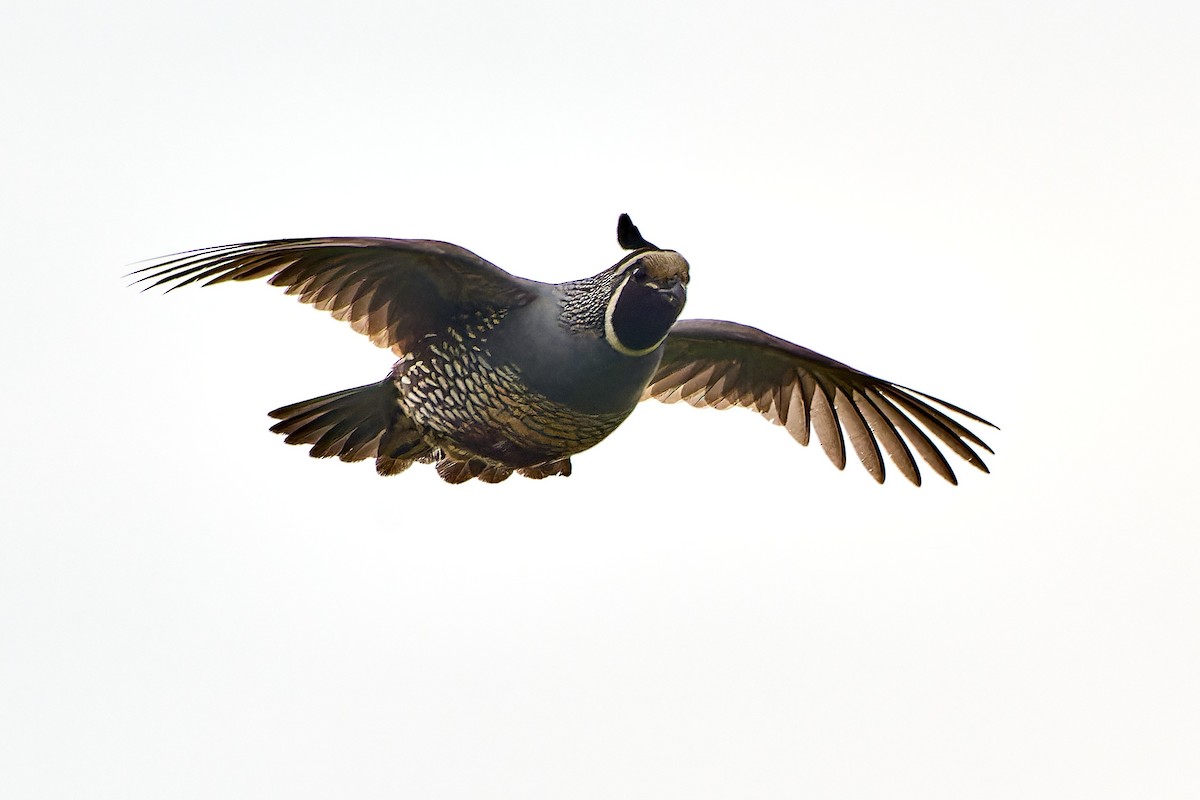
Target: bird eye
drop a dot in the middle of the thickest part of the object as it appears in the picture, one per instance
(640, 274)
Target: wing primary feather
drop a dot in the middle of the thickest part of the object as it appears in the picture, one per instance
(761, 402)
(173, 277)
(829, 430)
(779, 397)
(861, 438)
(951, 423)
(236, 274)
(795, 413)
(929, 417)
(182, 256)
(917, 437)
(251, 266)
(179, 265)
(295, 274)
(889, 438)
(950, 406)
(213, 269)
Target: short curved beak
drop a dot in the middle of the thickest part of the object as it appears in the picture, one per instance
(674, 292)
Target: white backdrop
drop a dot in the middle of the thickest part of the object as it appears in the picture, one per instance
(994, 203)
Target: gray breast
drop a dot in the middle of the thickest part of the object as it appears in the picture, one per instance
(570, 364)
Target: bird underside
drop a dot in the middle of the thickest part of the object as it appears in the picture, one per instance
(366, 422)
(453, 464)
(461, 470)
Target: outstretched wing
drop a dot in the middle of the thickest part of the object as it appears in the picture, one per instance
(722, 364)
(392, 290)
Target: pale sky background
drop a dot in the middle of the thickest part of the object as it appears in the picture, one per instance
(997, 203)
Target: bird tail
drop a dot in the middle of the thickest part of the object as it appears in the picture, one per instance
(365, 422)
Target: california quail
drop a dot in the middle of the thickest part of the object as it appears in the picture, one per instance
(498, 373)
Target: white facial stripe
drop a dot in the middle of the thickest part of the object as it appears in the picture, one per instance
(625, 265)
(610, 335)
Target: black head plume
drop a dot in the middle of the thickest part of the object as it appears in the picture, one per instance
(628, 236)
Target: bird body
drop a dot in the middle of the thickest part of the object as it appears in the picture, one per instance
(497, 373)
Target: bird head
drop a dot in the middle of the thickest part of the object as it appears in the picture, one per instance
(649, 290)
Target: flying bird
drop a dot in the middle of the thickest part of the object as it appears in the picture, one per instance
(500, 374)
